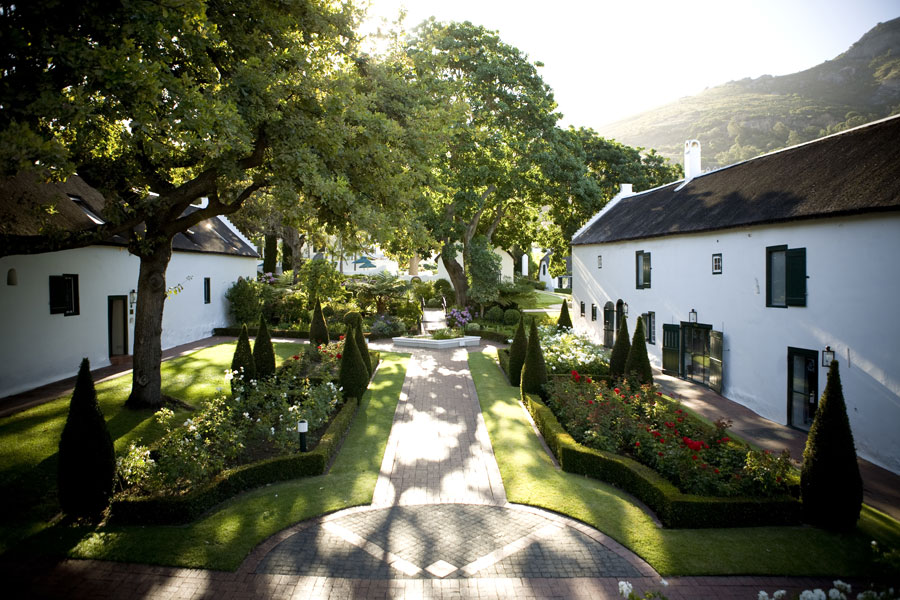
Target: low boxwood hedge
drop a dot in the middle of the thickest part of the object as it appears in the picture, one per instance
(281, 333)
(158, 510)
(674, 508)
(493, 336)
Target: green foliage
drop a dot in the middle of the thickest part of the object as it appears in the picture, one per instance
(564, 321)
(620, 351)
(443, 288)
(318, 329)
(534, 370)
(244, 300)
(352, 319)
(320, 280)
(87, 460)
(494, 314)
(264, 352)
(511, 316)
(830, 483)
(242, 362)
(637, 365)
(362, 346)
(354, 376)
(517, 351)
(482, 271)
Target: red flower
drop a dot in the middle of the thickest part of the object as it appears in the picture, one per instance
(725, 439)
(588, 379)
(637, 443)
(703, 466)
(296, 357)
(590, 401)
(659, 393)
(662, 440)
(616, 390)
(716, 471)
(340, 337)
(338, 355)
(670, 425)
(680, 419)
(678, 412)
(694, 457)
(574, 373)
(778, 480)
(660, 453)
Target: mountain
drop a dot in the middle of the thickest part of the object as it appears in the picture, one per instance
(746, 118)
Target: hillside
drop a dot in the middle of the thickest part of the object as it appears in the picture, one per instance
(742, 119)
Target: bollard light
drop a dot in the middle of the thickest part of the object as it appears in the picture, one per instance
(302, 428)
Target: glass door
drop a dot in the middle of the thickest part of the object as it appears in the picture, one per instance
(803, 387)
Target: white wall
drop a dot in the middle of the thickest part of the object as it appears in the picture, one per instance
(40, 347)
(853, 288)
(507, 265)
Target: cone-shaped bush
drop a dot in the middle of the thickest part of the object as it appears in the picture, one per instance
(87, 459)
(620, 351)
(243, 357)
(534, 370)
(353, 375)
(564, 319)
(263, 352)
(830, 483)
(637, 365)
(318, 329)
(517, 353)
(363, 347)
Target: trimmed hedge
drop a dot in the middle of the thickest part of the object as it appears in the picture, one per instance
(485, 334)
(282, 333)
(674, 508)
(184, 509)
(567, 291)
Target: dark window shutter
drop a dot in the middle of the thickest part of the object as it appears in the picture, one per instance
(58, 292)
(795, 284)
(637, 270)
(646, 269)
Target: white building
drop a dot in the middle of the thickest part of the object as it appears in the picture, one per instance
(59, 307)
(751, 276)
(507, 265)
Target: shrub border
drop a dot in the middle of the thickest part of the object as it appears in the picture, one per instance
(157, 510)
(674, 508)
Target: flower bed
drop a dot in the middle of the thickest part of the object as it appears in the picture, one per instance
(566, 351)
(238, 442)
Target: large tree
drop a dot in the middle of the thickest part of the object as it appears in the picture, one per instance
(158, 104)
(504, 140)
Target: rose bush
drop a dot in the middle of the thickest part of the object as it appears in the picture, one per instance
(565, 351)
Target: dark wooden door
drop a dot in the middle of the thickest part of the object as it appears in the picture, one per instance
(802, 387)
(671, 348)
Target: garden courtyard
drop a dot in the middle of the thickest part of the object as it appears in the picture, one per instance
(442, 487)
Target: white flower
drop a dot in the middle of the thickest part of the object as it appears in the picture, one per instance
(272, 430)
(779, 595)
(229, 375)
(840, 585)
(246, 415)
(834, 594)
(624, 589)
(762, 595)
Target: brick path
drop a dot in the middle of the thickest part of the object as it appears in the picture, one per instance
(439, 527)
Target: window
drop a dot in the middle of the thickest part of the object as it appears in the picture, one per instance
(207, 296)
(582, 309)
(64, 295)
(642, 269)
(649, 326)
(593, 312)
(717, 264)
(599, 261)
(785, 276)
(544, 270)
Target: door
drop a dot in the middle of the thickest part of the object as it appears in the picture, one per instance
(670, 350)
(695, 352)
(715, 361)
(118, 325)
(609, 316)
(803, 387)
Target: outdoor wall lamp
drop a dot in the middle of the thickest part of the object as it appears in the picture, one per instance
(692, 316)
(132, 298)
(625, 308)
(827, 356)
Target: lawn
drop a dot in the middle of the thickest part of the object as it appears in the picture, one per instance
(222, 538)
(530, 477)
(538, 299)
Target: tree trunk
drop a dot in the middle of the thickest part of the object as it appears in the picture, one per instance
(414, 265)
(457, 278)
(146, 385)
(270, 253)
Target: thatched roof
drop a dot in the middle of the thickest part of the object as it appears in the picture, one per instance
(854, 172)
(31, 208)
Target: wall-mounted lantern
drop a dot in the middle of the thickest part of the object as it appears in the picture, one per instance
(827, 356)
(692, 316)
(625, 308)
(132, 298)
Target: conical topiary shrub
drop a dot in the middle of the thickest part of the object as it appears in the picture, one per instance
(87, 459)
(534, 370)
(830, 483)
(620, 351)
(353, 375)
(242, 361)
(564, 319)
(637, 365)
(318, 329)
(363, 347)
(263, 352)
(517, 351)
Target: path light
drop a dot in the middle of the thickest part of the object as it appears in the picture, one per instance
(692, 316)
(827, 356)
(302, 428)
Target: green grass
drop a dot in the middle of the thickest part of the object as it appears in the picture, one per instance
(537, 299)
(28, 447)
(530, 478)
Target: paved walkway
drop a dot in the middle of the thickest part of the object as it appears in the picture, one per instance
(439, 527)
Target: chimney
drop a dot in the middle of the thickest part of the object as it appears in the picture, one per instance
(625, 189)
(691, 159)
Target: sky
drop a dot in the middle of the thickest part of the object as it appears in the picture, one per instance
(609, 59)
